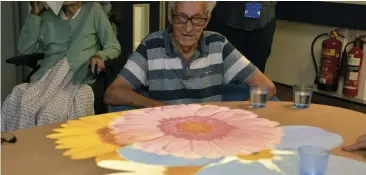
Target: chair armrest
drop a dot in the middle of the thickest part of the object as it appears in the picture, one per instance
(28, 60)
(112, 69)
(104, 79)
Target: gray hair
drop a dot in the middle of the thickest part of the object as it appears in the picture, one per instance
(210, 5)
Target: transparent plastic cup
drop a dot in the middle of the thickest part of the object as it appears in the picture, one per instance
(302, 95)
(313, 160)
(258, 96)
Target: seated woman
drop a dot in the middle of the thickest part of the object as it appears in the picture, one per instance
(79, 36)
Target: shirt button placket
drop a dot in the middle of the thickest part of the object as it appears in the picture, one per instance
(70, 36)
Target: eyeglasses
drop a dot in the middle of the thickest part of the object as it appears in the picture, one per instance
(7, 137)
(196, 21)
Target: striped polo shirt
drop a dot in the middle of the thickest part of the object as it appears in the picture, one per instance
(159, 67)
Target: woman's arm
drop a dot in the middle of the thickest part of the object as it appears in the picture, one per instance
(111, 46)
(30, 39)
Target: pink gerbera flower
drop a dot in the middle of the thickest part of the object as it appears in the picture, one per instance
(194, 131)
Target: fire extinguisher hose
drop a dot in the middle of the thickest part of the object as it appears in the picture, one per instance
(312, 52)
(343, 68)
(313, 56)
(344, 58)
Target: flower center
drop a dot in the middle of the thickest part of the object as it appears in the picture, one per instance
(194, 127)
(106, 136)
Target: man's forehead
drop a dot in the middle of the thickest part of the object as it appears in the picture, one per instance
(190, 8)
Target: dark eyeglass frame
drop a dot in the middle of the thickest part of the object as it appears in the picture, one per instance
(189, 19)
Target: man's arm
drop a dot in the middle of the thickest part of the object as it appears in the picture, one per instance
(258, 78)
(121, 93)
(132, 76)
(238, 69)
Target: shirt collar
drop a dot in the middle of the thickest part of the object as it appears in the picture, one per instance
(172, 52)
(63, 15)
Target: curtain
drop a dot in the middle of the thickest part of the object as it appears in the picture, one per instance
(13, 15)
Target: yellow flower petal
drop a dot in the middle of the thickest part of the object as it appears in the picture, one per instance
(109, 156)
(80, 131)
(94, 151)
(81, 140)
(89, 152)
(87, 137)
(265, 154)
(62, 147)
(61, 135)
(100, 119)
(70, 132)
(79, 124)
(73, 151)
(186, 170)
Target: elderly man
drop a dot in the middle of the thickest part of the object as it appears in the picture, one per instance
(183, 64)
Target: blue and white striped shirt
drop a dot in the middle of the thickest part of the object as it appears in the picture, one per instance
(157, 65)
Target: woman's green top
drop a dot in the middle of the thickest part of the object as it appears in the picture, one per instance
(77, 39)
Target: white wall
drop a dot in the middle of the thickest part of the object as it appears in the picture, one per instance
(140, 27)
(290, 61)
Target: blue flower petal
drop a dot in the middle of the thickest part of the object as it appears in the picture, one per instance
(297, 135)
(140, 156)
(237, 168)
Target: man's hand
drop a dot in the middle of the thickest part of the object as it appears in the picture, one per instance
(154, 103)
(359, 145)
(38, 7)
(258, 78)
(97, 63)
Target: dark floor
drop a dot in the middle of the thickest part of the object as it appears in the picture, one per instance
(284, 93)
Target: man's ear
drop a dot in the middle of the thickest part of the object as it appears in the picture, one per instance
(208, 19)
(170, 17)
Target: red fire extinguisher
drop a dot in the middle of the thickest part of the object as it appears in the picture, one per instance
(330, 63)
(354, 63)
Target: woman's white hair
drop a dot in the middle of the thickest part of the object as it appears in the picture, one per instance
(210, 5)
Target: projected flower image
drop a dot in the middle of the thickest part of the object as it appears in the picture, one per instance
(195, 131)
(188, 140)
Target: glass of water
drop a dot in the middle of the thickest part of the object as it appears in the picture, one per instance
(258, 95)
(313, 160)
(302, 95)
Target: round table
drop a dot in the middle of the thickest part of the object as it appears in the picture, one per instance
(33, 153)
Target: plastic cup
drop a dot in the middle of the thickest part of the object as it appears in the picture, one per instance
(302, 95)
(258, 96)
(313, 160)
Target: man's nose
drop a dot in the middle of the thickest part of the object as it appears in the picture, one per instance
(189, 26)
